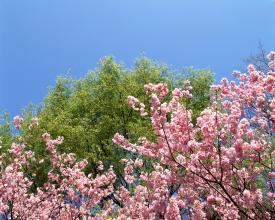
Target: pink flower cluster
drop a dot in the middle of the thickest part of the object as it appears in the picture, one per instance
(66, 180)
(133, 102)
(17, 121)
(34, 123)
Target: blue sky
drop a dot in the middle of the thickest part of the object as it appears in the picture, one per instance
(42, 39)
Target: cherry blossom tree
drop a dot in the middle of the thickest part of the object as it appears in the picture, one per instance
(222, 167)
(66, 182)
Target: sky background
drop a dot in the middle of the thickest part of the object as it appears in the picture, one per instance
(41, 39)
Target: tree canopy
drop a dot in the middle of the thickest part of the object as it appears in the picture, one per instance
(88, 112)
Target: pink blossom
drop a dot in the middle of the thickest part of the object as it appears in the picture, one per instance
(17, 121)
(34, 123)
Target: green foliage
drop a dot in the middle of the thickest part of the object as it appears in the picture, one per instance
(5, 131)
(200, 81)
(88, 112)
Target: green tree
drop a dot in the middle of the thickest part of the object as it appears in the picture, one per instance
(6, 136)
(200, 81)
(88, 112)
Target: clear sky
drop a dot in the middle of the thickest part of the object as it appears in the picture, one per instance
(40, 39)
